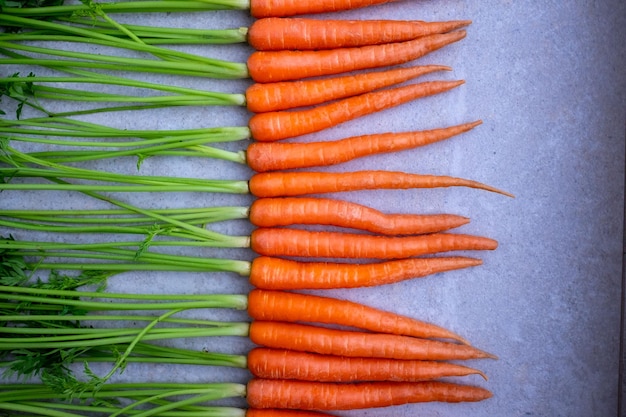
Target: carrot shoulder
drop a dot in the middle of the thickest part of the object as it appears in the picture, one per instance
(282, 8)
(272, 156)
(284, 274)
(272, 66)
(278, 125)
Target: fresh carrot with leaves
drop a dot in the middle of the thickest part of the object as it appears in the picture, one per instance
(278, 125)
(289, 364)
(272, 156)
(273, 66)
(317, 339)
(272, 34)
(306, 395)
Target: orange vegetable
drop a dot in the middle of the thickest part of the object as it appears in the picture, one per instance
(288, 364)
(272, 156)
(278, 125)
(277, 34)
(283, 274)
(280, 8)
(293, 307)
(307, 395)
(265, 97)
(315, 339)
(275, 412)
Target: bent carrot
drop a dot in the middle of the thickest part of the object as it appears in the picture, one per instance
(273, 66)
(265, 97)
(315, 339)
(288, 364)
(283, 274)
(278, 125)
(280, 8)
(305, 243)
(306, 395)
(283, 184)
(272, 156)
(277, 34)
(272, 212)
(293, 307)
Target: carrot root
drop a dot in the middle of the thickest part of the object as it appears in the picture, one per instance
(283, 8)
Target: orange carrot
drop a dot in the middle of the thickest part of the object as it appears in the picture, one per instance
(278, 125)
(277, 34)
(305, 243)
(275, 412)
(283, 274)
(272, 212)
(273, 66)
(265, 97)
(280, 8)
(279, 184)
(303, 366)
(306, 395)
(315, 339)
(293, 307)
(272, 156)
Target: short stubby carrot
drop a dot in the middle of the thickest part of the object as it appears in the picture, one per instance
(307, 395)
(284, 274)
(323, 340)
(279, 125)
(294, 307)
(286, 211)
(273, 66)
(277, 34)
(289, 364)
(285, 184)
(283, 8)
(265, 97)
(273, 156)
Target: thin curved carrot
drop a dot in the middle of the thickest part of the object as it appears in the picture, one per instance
(278, 34)
(289, 364)
(307, 395)
(266, 97)
(278, 125)
(294, 307)
(272, 156)
(305, 243)
(273, 66)
(284, 274)
(284, 184)
(316, 339)
(276, 412)
(273, 212)
(282, 8)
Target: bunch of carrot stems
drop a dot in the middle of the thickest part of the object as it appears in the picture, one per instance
(300, 364)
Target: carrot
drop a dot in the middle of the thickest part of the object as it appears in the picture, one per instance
(273, 66)
(272, 212)
(303, 366)
(277, 184)
(271, 156)
(278, 125)
(265, 97)
(281, 8)
(277, 34)
(306, 395)
(293, 307)
(315, 339)
(283, 274)
(275, 412)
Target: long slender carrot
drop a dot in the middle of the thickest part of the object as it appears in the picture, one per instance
(282, 8)
(276, 412)
(289, 364)
(306, 395)
(278, 125)
(283, 184)
(277, 34)
(294, 307)
(272, 156)
(272, 212)
(273, 66)
(316, 339)
(283, 274)
(265, 97)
